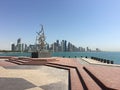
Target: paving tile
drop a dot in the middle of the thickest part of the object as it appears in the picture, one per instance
(4, 63)
(54, 86)
(14, 84)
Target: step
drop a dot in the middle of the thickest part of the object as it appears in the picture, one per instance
(107, 77)
(57, 66)
(5, 57)
(89, 82)
(63, 65)
(23, 61)
(74, 82)
(16, 62)
(32, 62)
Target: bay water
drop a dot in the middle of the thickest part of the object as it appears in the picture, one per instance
(115, 56)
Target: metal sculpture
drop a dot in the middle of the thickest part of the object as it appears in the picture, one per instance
(40, 39)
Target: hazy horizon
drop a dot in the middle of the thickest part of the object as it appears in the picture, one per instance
(84, 23)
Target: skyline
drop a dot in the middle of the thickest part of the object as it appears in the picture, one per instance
(56, 46)
(84, 23)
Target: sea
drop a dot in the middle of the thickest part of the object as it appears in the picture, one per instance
(114, 56)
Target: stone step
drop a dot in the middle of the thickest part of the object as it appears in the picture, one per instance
(74, 81)
(76, 84)
(5, 57)
(16, 62)
(89, 82)
(59, 64)
(106, 77)
(32, 62)
(23, 61)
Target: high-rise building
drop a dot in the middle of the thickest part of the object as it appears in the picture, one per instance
(47, 47)
(62, 45)
(19, 41)
(65, 46)
(13, 47)
(19, 45)
(54, 47)
(26, 47)
(23, 47)
(57, 41)
(82, 49)
(97, 49)
(57, 46)
(70, 47)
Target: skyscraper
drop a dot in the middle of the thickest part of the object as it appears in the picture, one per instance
(19, 45)
(19, 41)
(13, 48)
(65, 46)
(62, 46)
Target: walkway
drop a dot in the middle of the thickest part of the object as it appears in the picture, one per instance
(80, 76)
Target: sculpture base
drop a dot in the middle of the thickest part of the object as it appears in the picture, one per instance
(44, 54)
(34, 54)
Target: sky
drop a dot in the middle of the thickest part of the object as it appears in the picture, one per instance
(92, 23)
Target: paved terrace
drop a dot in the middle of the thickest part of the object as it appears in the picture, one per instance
(73, 75)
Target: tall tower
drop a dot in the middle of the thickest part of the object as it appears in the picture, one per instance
(13, 47)
(19, 45)
(19, 41)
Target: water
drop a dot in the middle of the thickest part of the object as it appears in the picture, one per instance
(17, 54)
(115, 56)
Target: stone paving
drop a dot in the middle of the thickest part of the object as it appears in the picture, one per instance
(81, 61)
(30, 77)
(94, 62)
(67, 74)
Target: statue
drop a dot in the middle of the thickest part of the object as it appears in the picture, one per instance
(40, 39)
(41, 45)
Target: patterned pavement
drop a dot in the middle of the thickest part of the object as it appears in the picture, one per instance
(73, 74)
(16, 77)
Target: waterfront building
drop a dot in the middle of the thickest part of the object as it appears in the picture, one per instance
(23, 47)
(51, 47)
(57, 41)
(64, 45)
(19, 41)
(81, 49)
(57, 46)
(13, 47)
(32, 48)
(26, 47)
(19, 45)
(54, 47)
(97, 50)
(88, 50)
(47, 46)
(70, 47)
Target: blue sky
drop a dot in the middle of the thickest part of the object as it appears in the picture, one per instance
(92, 23)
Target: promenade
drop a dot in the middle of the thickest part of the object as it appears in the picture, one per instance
(57, 74)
